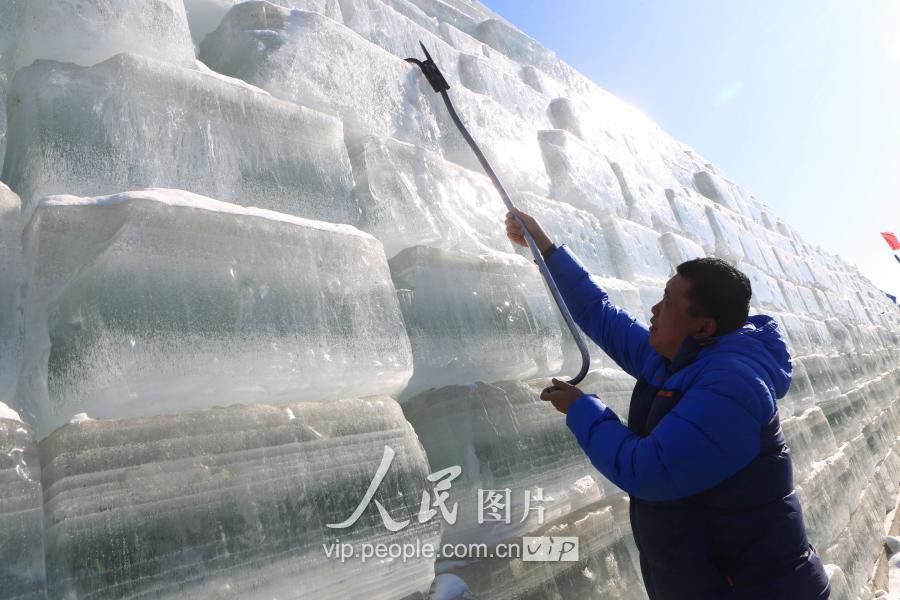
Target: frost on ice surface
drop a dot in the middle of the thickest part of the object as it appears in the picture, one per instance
(486, 75)
(607, 566)
(474, 318)
(2, 114)
(892, 545)
(391, 28)
(580, 177)
(414, 197)
(231, 80)
(182, 199)
(678, 249)
(637, 252)
(291, 54)
(204, 16)
(232, 503)
(411, 197)
(163, 301)
(355, 247)
(21, 516)
(80, 418)
(86, 32)
(716, 190)
(690, 211)
(505, 38)
(8, 413)
(213, 138)
(11, 323)
(501, 437)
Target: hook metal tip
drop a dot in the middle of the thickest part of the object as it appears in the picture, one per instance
(425, 50)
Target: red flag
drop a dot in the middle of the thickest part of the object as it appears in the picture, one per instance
(891, 239)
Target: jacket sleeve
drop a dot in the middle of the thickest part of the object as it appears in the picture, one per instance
(711, 434)
(619, 334)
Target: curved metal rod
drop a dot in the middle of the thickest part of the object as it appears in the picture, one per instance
(440, 85)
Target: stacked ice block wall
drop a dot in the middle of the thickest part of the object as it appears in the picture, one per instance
(229, 285)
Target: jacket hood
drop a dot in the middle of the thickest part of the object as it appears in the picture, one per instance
(760, 340)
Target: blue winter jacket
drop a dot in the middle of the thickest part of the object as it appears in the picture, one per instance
(713, 507)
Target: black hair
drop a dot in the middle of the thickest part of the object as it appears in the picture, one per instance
(718, 291)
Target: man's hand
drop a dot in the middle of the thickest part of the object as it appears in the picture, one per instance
(564, 397)
(517, 236)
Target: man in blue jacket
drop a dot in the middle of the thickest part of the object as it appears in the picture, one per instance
(712, 502)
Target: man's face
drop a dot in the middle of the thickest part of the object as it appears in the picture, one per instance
(672, 322)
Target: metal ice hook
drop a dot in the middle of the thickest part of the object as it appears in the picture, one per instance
(431, 71)
(439, 84)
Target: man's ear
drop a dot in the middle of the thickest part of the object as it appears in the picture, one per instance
(706, 327)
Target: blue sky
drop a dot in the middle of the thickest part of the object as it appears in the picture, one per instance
(796, 100)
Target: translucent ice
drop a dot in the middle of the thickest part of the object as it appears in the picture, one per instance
(10, 17)
(811, 304)
(837, 582)
(11, 323)
(637, 253)
(826, 495)
(770, 261)
(204, 16)
(581, 177)
(159, 302)
(580, 230)
(86, 32)
(503, 437)
(646, 199)
(463, 14)
(410, 196)
(855, 550)
(134, 122)
(284, 52)
(21, 517)
(752, 250)
(766, 290)
(607, 565)
(482, 75)
(474, 318)
(509, 142)
(679, 249)
(728, 231)
(2, 115)
(150, 306)
(717, 190)
(641, 153)
(291, 54)
(505, 38)
(397, 33)
(810, 438)
(410, 11)
(794, 267)
(233, 503)
(8, 413)
(690, 210)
